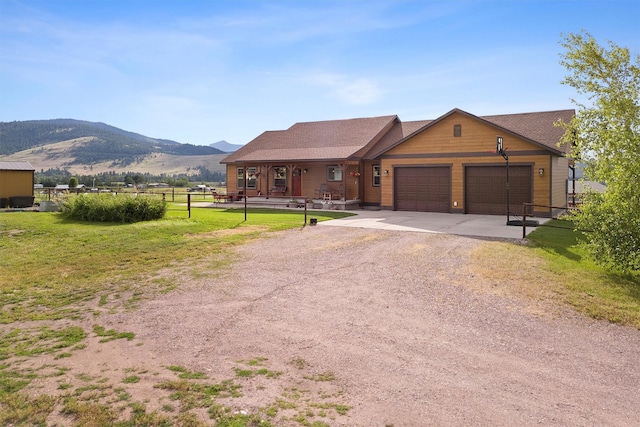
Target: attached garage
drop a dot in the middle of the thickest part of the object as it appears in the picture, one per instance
(423, 189)
(486, 189)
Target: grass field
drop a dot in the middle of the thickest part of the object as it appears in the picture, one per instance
(555, 267)
(54, 272)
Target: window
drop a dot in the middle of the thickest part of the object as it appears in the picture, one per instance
(240, 183)
(457, 130)
(376, 175)
(252, 178)
(334, 173)
(280, 176)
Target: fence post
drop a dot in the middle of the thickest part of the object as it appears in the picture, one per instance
(305, 211)
(524, 222)
(189, 204)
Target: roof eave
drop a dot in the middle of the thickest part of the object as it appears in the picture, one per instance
(558, 151)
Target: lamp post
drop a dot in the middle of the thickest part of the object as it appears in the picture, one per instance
(244, 192)
(503, 152)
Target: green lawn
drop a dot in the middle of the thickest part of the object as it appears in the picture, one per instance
(49, 265)
(601, 294)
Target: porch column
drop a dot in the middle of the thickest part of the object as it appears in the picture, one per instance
(290, 168)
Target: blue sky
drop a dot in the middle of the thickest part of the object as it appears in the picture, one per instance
(198, 71)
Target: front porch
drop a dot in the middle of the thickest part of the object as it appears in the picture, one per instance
(291, 202)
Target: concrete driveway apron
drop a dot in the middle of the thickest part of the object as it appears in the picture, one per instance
(493, 226)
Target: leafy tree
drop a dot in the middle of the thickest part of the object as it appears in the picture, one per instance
(606, 137)
(73, 182)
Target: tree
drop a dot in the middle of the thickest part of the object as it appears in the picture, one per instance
(73, 182)
(605, 136)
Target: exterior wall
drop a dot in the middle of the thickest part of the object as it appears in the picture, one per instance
(371, 194)
(559, 177)
(316, 174)
(476, 146)
(16, 183)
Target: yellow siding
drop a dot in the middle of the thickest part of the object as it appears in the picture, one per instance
(371, 193)
(16, 183)
(560, 175)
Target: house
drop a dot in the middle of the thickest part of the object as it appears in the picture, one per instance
(449, 164)
(16, 184)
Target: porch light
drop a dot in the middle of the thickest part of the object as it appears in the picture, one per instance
(541, 171)
(305, 170)
(386, 172)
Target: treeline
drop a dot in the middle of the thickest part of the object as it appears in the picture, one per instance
(108, 144)
(53, 177)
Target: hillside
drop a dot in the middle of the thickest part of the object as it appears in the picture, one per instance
(90, 148)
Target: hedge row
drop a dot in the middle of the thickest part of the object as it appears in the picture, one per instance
(112, 208)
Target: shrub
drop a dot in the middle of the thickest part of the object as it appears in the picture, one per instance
(110, 208)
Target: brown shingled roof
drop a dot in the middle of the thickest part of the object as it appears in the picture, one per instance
(332, 139)
(368, 138)
(400, 131)
(538, 127)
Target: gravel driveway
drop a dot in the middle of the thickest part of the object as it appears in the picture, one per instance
(384, 322)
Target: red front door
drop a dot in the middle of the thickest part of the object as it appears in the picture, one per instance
(297, 183)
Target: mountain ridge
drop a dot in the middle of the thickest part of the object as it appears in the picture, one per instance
(81, 146)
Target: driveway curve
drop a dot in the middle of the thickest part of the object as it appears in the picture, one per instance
(384, 323)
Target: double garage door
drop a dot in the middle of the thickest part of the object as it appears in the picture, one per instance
(428, 189)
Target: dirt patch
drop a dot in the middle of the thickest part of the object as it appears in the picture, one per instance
(356, 327)
(227, 232)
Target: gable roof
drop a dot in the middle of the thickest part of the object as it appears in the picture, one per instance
(323, 140)
(368, 138)
(537, 128)
(16, 166)
(399, 132)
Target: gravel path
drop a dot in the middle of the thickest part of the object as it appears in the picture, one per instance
(383, 322)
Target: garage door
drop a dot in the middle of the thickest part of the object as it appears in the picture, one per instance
(486, 189)
(424, 189)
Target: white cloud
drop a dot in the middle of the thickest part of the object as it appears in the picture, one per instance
(353, 90)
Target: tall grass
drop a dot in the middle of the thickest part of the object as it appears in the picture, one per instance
(112, 208)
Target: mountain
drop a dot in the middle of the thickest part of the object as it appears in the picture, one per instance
(225, 146)
(88, 146)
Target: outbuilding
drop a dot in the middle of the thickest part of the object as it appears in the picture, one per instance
(16, 184)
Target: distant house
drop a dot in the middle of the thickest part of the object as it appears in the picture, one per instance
(449, 164)
(16, 184)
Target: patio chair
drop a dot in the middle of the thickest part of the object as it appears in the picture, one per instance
(323, 191)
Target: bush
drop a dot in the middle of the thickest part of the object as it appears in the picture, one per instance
(110, 208)
(611, 225)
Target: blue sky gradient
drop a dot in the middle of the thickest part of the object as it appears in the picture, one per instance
(198, 71)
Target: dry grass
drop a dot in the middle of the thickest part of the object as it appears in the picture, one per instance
(57, 156)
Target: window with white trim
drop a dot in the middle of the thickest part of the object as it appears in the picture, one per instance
(240, 176)
(252, 178)
(376, 175)
(280, 176)
(334, 173)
